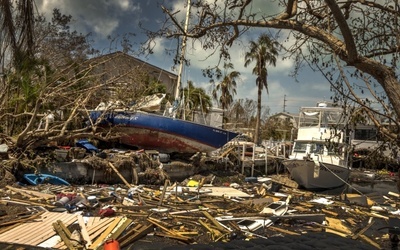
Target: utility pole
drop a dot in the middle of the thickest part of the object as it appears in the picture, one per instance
(284, 103)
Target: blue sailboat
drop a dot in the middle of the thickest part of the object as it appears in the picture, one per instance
(163, 133)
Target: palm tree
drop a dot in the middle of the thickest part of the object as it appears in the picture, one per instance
(225, 90)
(17, 28)
(196, 98)
(264, 53)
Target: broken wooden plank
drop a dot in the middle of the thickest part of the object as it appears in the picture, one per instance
(33, 203)
(362, 231)
(371, 242)
(215, 222)
(337, 225)
(84, 232)
(104, 236)
(63, 236)
(281, 230)
(394, 194)
(284, 180)
(119, 174)
(215, 233)
(329, 212)
(135, 234)
(31, 217)
(163, 192)
(31, 192)
(174, 236)
(120, 228)
(64, 228)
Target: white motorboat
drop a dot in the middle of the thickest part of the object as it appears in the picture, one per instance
(319, 157)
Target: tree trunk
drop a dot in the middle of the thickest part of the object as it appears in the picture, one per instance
(257, 132)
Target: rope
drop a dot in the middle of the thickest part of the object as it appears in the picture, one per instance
(348, 184)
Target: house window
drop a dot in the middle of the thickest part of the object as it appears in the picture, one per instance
(365, 134)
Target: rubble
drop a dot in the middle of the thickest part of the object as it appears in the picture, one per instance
(200, 210)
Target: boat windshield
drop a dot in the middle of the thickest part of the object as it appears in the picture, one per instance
(314, 147)
(321, 117)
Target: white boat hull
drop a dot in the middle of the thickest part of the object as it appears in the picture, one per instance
(312, 176)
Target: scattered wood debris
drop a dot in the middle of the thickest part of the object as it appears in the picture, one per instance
(190, 212)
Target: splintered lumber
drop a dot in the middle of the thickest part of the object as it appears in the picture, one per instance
(158, 224)
(119, 174)
(163, 192)
(214, 232)
(64, 228)
(22, 220)
(362, 231)
(284, 180)
(337, 226)
(215, 222)
(351, 221)
(33, 203)
(135, 234)
(329, 212)
(125, 222)
(37, 231)
(63, 235)
(277, 229)
(171, 233)
(371, 242)
(84, 232)
(104, 236)
(29, 193)
(173, 236)
(394, 194)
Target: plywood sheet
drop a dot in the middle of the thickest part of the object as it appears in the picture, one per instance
(221, 191)
(37, 231)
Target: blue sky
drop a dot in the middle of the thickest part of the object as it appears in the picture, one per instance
(103, 18)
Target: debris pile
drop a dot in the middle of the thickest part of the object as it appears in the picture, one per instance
(194, 211)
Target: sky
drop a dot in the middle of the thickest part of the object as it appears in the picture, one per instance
(114, 18)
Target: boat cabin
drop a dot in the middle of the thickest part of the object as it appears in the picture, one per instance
(315, 147)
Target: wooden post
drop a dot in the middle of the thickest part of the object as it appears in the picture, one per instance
(120, 176)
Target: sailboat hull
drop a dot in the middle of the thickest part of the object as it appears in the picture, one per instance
(317, 177)
(165, 134)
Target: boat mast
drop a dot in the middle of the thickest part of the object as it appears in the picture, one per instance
(183, 51)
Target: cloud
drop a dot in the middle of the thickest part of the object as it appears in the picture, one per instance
(99, 16)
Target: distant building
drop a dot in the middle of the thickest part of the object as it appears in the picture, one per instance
(285, 117)
(118, 68)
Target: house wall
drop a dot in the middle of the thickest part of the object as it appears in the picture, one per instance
(120, 68)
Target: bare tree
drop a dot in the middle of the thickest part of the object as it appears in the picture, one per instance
(47, 92)
(359, 36)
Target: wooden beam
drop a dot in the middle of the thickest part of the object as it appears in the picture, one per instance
(29, 193)
(64, 228)
(63, 236)
(362, 231)
(135, 234)
(118, 173)
(84, 232)
(104, 236)
(215, 222)
(277, 229)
